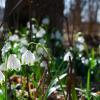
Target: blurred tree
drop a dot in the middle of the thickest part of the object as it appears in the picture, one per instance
(18, 12)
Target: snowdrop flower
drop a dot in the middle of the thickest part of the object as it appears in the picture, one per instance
(84, 60)
(42, 41)
(23, 49)
(43, 64)
(13, 62)
(81, 39)
(80, 47)
(6, 48)
(28, 58)
(2, 77)
(14, 38)
(28, 24)
(16, 31)
(40, 33)
(67, 55)
(46, 21)
(24, 41)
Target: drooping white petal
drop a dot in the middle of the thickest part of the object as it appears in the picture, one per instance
(40, 33)
(13, 62)
(81, 39)
(23, 50)
(28, 58)
(6, 48)
(67, 55)
(80, 47)
(14, 37)
(23, 41)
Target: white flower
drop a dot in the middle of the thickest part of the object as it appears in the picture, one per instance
(67, 55)
(13, 62)
(43, 64)
(14, 38)
(3, 67)
(34, 30)
(84, 60)
(23, 50)
(16, 31)
(81, 39)
(6, 48)
(2, 77)
(80, 47)
(24, 41)
(42, 41)
(46, 21)
(28, 24)
(40, 33)
(1, 29)
(28, 58)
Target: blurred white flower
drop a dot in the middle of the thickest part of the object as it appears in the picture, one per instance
(28, 24)
(13, 62)
(6, 48)
(27, 32)
(28, 58)
(42, 41)
(1, 92)
(3, 67)
(43, 64)
(58, 35)
(24, 41)
(40, 33)
(81, 39)
(2, 77)
(84, 60)
(80, 47)
(34, 30)
(1, 29)
(14, 37)
(15, 45)
(46, 21)
(67, 55)
(23, 50)
(16, 31)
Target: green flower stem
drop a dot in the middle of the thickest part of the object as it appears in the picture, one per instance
(88, 84)
(62, 87)
(29, 97)
(6, 85)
